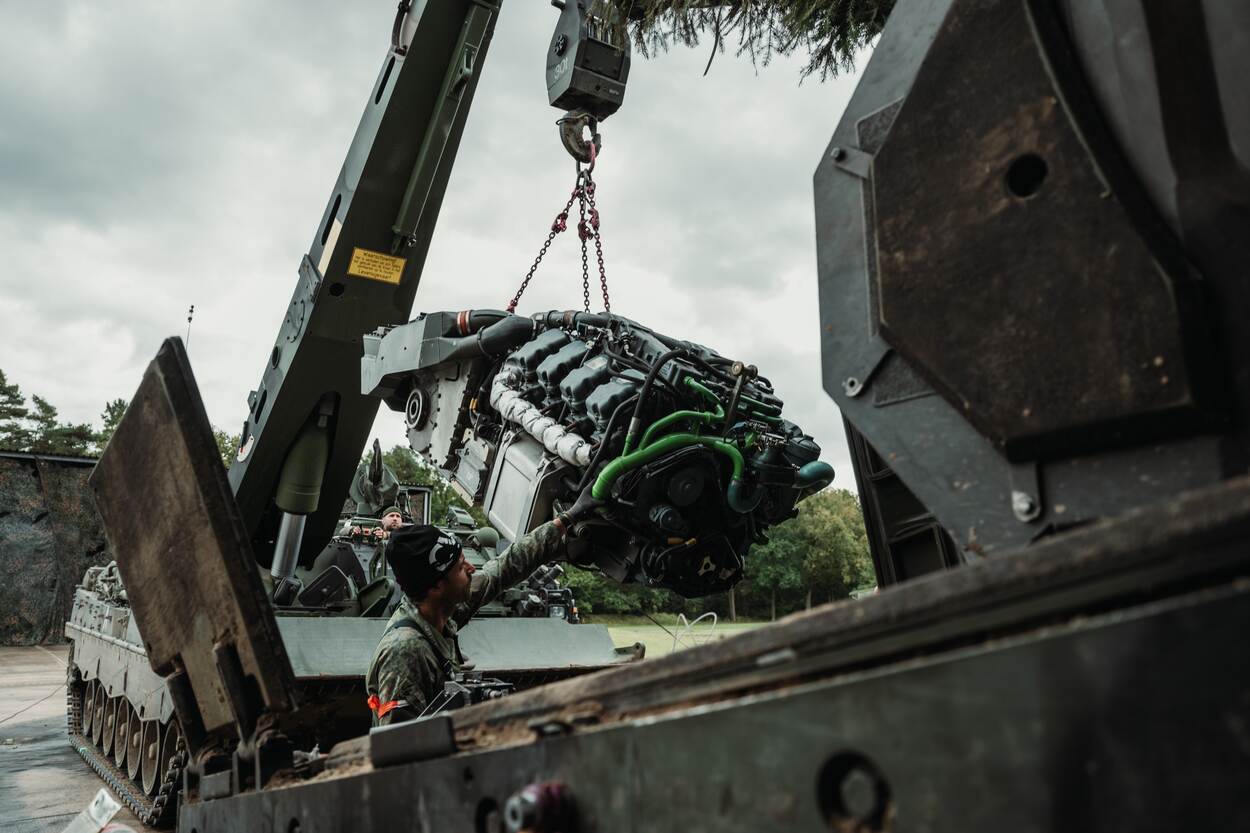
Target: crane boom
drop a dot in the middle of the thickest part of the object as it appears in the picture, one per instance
(307, 420)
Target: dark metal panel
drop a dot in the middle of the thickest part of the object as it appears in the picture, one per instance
(342, 646)
(182, 551)
(330, 646)
(1129, 717)
(941, 458)
(1169, 81)
(1015, 280)
(1199, 537)
(905, 539)
(841, 248)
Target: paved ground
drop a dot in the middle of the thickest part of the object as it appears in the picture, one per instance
(43, 782)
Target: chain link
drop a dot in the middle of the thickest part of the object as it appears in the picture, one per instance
(594, 222)
(587, 229)
(583, 233)
(559, 224)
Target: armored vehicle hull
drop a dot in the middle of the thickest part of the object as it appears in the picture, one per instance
(121, 719)
(138, 732)
(1109, 701)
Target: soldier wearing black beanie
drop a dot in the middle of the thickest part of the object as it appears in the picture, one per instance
(419, 650)
(419, 556)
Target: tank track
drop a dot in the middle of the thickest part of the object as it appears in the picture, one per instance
(155, 811)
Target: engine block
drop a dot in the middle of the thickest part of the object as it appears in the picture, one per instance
(688, 449)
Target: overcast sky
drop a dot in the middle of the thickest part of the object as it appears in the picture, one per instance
(158, 155)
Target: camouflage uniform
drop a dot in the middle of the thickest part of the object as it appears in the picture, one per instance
(411, 664)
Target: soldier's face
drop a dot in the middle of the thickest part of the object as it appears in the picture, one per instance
(457, 581)
(392, 521)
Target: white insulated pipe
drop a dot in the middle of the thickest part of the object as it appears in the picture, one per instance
(560, 441)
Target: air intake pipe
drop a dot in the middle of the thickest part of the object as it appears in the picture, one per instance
(486, 337)
(470, 321)
(569, 319)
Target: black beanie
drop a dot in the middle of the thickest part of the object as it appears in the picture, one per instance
(420, 556)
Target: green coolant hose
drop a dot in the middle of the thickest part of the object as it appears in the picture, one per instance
(741, 499)
(676, 416)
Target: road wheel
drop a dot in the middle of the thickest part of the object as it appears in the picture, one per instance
(121, 733)
(88, 706)
(110, 724)
(97, 719)
(134, 745)
(151, 765)
(170, 733)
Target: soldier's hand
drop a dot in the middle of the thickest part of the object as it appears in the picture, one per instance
(582, 508)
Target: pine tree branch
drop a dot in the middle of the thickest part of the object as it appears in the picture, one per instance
(830, 31)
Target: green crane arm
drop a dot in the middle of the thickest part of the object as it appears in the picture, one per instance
(307, 420)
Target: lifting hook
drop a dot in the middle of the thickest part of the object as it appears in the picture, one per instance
(572, 126)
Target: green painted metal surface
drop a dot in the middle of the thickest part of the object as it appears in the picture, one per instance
(341, 646)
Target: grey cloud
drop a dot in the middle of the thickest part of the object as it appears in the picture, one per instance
(156, 155)
(110, 110)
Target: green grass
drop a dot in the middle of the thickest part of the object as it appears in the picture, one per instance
(668, 620)
(626, 630)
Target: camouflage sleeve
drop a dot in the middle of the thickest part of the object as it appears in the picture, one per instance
(546, 543)
(404, 671)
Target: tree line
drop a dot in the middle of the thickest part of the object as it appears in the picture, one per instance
(35, 426)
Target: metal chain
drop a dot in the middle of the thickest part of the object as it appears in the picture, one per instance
(594, 222)
(587, 229)
(558, 225)
(583, 232)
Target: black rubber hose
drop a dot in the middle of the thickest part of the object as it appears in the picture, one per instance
(715, 371)
(670, 342)
(732, 410)
(629, 362)
(470, 321)
(505, 334)
(482, 397)
(571, 318)
(636, 422)
(588, 475)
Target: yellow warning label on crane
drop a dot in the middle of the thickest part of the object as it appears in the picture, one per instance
(376, 266)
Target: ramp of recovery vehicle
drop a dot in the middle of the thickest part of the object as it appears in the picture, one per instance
(192, 580)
